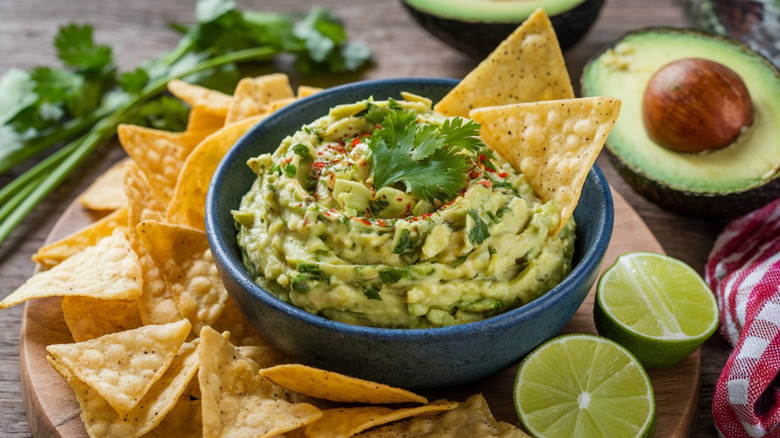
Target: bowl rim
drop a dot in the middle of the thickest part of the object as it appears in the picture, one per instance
(230, 265)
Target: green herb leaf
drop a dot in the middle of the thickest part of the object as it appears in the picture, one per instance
(391, 275)
(371, 293)
(16, 94)
(405, 243)
(440, 174)
(76, 49)
(302, 151)
(462, 133)
(480, 232)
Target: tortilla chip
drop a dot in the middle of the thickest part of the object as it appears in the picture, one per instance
(527, 66)
(306, 91)
(160, 154)
(107, 192)
(236, 400)
(183, 421)
(184, 258)
(200, 119)
(90, 318)
(553, 143)
(471, 418)
(55, 252)
(157, 305)
(202, 98)
(188, 202)
(108, 270)
(190, 139)
(281, 103)
(242, 332)
(264, 356)
(253, 95)
(329, 385)
(347, 422)
(162, 405)
(123, 366)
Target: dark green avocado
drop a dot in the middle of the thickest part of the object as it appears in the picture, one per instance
(716, 184)
(476, 27)
(754, 22)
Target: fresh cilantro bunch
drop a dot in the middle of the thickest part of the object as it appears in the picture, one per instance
(81, 104)
(431, 161)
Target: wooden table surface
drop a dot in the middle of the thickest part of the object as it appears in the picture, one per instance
(137, 30)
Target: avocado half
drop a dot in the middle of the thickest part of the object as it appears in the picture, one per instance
(719, 184)
(476, 27)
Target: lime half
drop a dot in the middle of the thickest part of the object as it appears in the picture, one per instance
(584, 386)
(656, 306)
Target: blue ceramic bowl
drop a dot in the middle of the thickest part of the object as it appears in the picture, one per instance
(412, 358)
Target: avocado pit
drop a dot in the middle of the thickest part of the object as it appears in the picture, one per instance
(696, 105)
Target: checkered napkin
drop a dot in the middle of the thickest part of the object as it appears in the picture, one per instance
(744, 272)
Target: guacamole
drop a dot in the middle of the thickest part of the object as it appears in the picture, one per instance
(388, 214)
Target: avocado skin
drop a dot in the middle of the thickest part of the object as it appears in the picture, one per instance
(754, 22)
(478, 39)
(703, 205)
(717, 206)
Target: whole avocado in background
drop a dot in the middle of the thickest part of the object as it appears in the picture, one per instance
(754, 22)
(476, 27)
(717, 183)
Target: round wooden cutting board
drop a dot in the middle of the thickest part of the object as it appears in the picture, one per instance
(52, 410)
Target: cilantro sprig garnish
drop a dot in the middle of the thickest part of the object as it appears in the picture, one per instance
(432, 162)
(80, 105)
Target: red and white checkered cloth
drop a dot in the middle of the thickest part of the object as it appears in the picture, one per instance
(744, 273)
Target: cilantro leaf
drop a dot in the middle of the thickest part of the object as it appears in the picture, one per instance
(134, 81)
(480, 232)
(16, 94)
(432, 172)
(462, 133)
(76, 49)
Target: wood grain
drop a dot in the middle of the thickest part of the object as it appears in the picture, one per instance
(138, 31)
(52, 410)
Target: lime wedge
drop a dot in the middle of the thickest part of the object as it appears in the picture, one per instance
(656, 306)
(584, 386)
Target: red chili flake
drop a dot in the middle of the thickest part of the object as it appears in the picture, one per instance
(485, 183)
(320, 153)
(474, 174)
(408, 208)
(287, 160)
(427, 215)
(355, 141)
(318, 164)
(362, 221)
(502, 175)
(399, 199)
(490, 169)
(381, 223)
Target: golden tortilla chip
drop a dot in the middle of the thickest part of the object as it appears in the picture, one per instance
(90, 318)
(281, 103)
(200, 119)
(157, 305)
(123, 366)
(160, 154)
(306, 91)
(328, 385)
(162, 405)
(205, 99)
(237, 401)
(242, 332)
(109, 270)
(253, 95)
(527, 66)
(188, 203)
(348, 422)
(183, 421)
(55, 252)
(184, 258)
(471, 418)
(190, 139)
(107, 192)
(553, 143)
(265, 356)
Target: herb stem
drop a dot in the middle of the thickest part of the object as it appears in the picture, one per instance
(26, 197)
